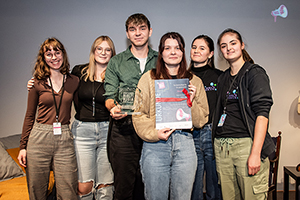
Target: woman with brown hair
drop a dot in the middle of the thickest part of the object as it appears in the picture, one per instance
(242, 143)
(168, 161)
(48, 143)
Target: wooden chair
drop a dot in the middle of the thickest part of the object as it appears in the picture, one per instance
(274, 161)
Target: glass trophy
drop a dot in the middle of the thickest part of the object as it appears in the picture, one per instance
(130, 100)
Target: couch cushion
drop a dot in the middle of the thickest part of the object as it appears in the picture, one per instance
(8, 167)
(11, 141)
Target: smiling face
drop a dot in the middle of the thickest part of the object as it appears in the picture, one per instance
(231, 47)
(138, 34)
(172, 55)
(200, 52)
(103, 53)
(53, 58)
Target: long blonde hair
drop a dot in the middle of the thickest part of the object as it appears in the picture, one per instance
(89, 71)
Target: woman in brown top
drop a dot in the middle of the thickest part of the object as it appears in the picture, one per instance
(48, 144)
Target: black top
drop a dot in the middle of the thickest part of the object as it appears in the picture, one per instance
(85, 93)
(234, 126)
(254, 97)
(209, 77)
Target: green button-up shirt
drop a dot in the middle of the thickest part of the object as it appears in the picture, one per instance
(123, 70)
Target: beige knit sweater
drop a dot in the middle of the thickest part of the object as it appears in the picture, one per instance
(144, 124)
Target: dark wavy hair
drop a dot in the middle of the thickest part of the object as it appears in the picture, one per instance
(246, 56)
(210, 44)
(41, 69)
(161, 71)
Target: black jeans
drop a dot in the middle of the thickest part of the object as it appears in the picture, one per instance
(124, 151)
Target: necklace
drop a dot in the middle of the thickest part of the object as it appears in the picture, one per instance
(94, 92)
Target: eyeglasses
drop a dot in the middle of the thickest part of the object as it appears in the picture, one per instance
(48, 55)
(100, 50)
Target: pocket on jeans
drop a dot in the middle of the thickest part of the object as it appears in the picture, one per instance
(76, 124)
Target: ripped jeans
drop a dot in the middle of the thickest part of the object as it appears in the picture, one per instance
(90, 146)
(231, 160)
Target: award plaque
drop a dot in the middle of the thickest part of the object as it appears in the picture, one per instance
(129, 99)
(172, 110)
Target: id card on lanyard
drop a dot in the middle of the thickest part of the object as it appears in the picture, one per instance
(224, 115)
(57, 124)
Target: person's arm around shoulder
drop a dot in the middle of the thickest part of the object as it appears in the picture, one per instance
(199, 107)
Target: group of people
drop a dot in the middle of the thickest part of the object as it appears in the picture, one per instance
(111, 155)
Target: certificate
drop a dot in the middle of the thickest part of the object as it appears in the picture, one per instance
(172, 109)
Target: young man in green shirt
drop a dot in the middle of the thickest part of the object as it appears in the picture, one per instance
(124, 70)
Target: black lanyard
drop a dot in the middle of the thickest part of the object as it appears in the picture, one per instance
(225, 103)
(62, 93)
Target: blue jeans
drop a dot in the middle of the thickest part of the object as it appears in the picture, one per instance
(169, 167)
(90, 146)
(204, 150)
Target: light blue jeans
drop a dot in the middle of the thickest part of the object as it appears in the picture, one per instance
(169, 167)
(90, 146)
(207, 164)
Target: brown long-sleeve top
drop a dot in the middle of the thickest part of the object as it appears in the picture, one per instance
(40, 97)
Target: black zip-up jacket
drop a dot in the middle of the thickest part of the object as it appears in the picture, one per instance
(255, 99)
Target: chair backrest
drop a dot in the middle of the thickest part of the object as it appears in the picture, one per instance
(274, 162)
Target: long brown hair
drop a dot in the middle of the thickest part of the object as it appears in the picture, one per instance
(246, 56)
(161, 71)
(41, 69)
(89, 71)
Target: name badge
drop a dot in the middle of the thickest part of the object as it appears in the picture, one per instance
(57, 128)
(222, 120)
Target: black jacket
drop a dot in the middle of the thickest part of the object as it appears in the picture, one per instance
(255, 99)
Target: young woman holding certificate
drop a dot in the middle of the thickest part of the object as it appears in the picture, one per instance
(169, 161)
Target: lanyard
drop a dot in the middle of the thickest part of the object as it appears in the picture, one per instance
(94, 92)
(225, 103)
(62, 93)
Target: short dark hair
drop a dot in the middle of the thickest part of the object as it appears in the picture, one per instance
(137, 19)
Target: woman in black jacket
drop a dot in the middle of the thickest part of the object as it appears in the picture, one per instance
(241, 141)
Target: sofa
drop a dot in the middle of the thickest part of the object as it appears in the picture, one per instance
(13, 184)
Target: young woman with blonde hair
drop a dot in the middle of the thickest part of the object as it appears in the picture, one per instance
(91, 124)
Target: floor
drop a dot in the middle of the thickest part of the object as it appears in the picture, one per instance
(292, 195)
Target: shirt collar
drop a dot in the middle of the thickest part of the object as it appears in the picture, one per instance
(129, 55)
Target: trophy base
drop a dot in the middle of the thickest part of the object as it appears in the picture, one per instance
(130, 113)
